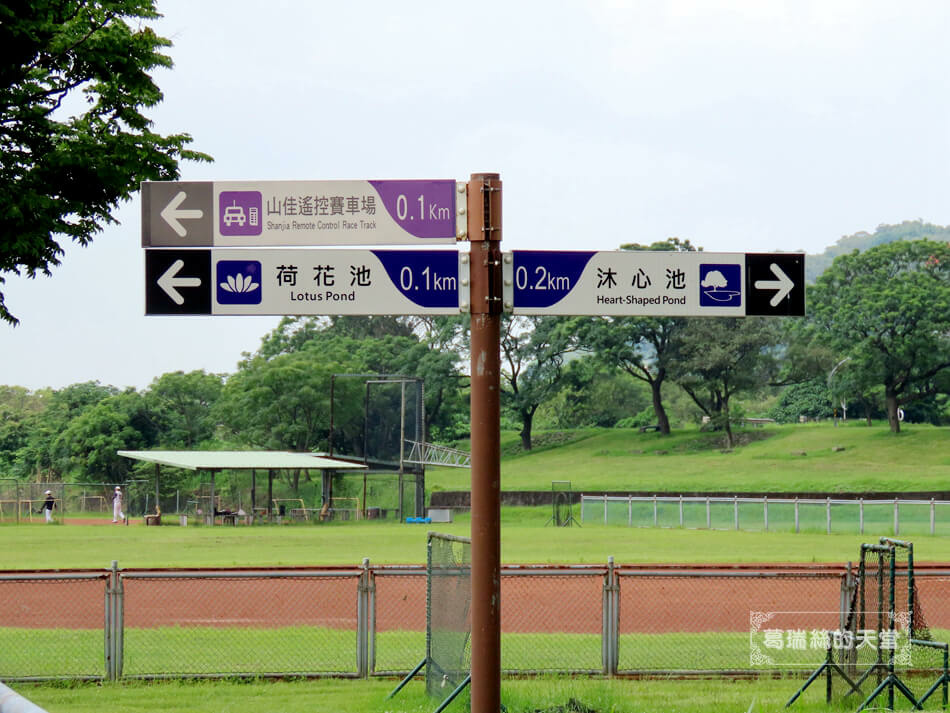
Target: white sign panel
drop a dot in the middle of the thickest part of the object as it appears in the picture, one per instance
(272, 213)
(302, 282)
(673, 284)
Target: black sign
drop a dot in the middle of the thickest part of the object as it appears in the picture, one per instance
(177, 282)
(775, 284)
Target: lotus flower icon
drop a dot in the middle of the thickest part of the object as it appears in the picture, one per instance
(239, 284)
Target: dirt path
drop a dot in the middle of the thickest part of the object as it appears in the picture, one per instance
(533, 603)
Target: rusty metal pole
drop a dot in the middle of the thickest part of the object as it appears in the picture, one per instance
(484, 232)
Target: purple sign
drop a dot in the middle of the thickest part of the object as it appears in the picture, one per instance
(544, 277)
(424, 209)
(429, 278)
(239, 212)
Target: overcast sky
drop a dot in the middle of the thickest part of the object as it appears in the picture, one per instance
(742, 125)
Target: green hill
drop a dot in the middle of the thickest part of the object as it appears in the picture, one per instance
(793, 458)
(862, 240)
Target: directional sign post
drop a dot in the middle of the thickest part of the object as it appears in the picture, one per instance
(672, 284)
(257, 213)
(202, 263)
(230, 281)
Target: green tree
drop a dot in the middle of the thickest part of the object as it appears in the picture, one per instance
(122, 421)
(18, 408)
(283, 403)
(593, 394)
(811, 399)
(427, 349)
(184, 407)
(67, 161)
(43, 456)
(532, 355)
(723, 357)
(888, 308)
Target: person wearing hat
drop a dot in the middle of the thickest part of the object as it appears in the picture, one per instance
(48, 506)
(117, 514)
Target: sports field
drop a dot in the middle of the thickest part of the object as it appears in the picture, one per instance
(525, 539)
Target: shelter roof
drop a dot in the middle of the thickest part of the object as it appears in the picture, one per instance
(242, 460)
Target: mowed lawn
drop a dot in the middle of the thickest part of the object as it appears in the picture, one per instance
(775, 459)
(527, 540)
(791, 458)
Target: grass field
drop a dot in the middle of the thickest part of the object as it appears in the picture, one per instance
(917, 459)
(873, 459)
(524, 540)
(343, 696)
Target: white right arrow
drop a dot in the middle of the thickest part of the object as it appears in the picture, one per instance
(783, 285)
(169, 281)
(172, 214)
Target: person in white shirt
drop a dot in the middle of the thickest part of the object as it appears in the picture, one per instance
(117, 514)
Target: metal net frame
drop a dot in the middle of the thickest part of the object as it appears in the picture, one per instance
(884, 604)
(448, 613)
(562, 504)
(448, 659)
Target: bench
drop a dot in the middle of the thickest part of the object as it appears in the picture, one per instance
(644, 429)
(153, 520)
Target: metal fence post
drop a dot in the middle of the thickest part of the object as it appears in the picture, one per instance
(933, 513)
(119, 632)
(605, 508)
(681, 510)
(897, 518)
(109, 624)
(708, 515)
(735, 509)
(828, 515)
(629, 511)
(765, 509)
(656, 521)
(796, 515)
(861, 514)
(362, 621)
(610, 635)
(114, 618)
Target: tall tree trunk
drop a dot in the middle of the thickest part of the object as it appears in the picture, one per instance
(527, 418)
(727, 424)
(890, 400)
(662, 420)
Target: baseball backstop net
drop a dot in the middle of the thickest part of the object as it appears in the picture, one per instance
(448, 658)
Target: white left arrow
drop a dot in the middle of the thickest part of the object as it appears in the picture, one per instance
(782, 286)
(170, 281)
(172, 214)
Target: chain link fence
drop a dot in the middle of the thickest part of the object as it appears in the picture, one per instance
(373, 496)
(52, 625)
(371, 620)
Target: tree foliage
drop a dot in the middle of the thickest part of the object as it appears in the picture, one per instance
(74, 138)
(811, 399)
(184, 405)
(532, 356)
(889, 309)
(723, 357)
